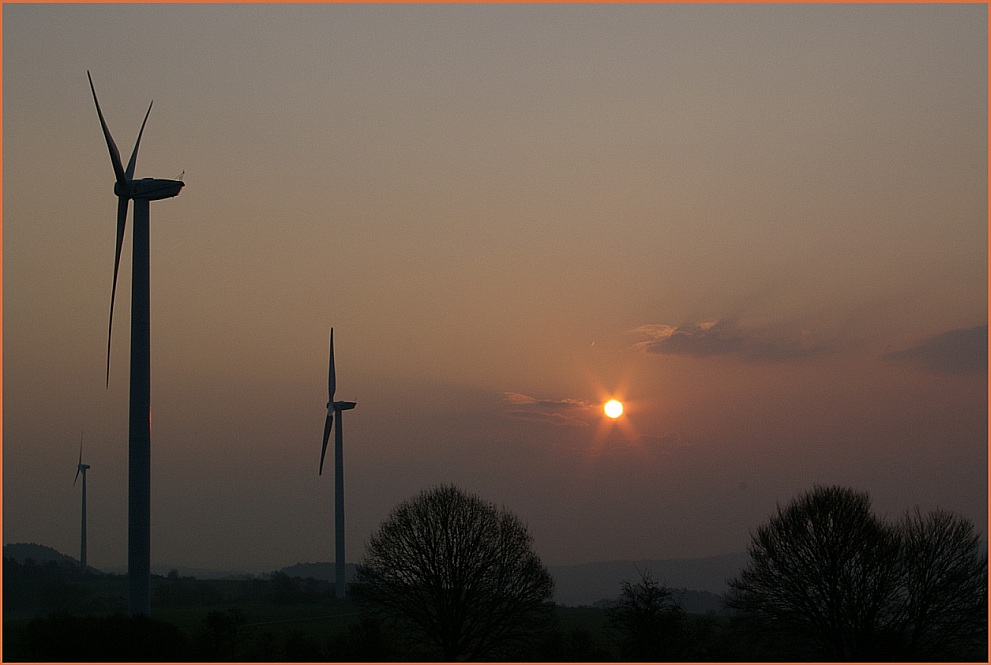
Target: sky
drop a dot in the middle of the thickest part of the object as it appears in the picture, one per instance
(762, 227)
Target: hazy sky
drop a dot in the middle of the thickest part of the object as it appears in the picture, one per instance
(762, 226)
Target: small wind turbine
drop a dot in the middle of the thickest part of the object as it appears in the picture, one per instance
(142, 192)
(335, 409)
(81, 469)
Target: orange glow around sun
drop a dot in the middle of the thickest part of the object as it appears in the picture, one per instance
(613, 408)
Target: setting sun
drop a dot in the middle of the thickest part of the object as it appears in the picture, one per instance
(613, 408)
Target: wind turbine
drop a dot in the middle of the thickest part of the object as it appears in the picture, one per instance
(142, 192)
(81, 469)
(334, 410)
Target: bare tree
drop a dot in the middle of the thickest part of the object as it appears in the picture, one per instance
(822, 574)
(944, 604)
(827, 579)
(458, 573)
(647, 621)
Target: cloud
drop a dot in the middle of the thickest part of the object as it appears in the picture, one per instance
(561, 412)
(727, 338)
(959, 351)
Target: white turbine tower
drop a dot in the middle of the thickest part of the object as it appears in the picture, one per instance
(335, 409)
(81, 469)
(142, 192)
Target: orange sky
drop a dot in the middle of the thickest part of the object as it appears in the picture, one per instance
(764, 226)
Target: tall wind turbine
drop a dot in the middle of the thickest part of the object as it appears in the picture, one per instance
(142, 192)
(334, 410)
(81, 469)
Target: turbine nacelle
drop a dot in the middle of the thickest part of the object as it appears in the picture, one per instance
(80, 467)
(149, 189)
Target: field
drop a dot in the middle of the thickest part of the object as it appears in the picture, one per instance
(274, 619)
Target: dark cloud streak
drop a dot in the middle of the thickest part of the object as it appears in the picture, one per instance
(959, 351)
(566, 412)
(728, 338)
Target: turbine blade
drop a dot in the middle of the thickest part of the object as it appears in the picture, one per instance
(134, 155)
(327, 426)
(122, 178)
(79, 467)
(122, 203)
(331, 374)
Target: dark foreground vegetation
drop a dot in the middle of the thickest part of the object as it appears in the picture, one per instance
(56, 614)
(827, 581)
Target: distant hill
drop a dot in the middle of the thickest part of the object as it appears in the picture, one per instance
(588, 583)
(326, 570)
(698, 582)
(21, 552)
(198, 573)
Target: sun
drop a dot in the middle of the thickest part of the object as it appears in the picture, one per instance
(613, 408)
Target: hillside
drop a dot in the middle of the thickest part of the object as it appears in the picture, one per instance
(700, 581)
(585, 584)
(21, 552)
(697, 581)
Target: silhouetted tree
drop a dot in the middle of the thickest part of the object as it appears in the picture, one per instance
(647, 621)
(943, 611)
(823, 576)
(827, 579)
(458, 573)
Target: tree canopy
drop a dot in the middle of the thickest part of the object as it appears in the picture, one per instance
(942, 610)
(829, 579)
(458, 573)
(647, 621)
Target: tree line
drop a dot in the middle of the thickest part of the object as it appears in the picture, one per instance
(827, 580)
(449, 576)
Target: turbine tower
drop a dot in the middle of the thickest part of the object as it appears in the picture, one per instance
(81, 469)
(334, 410)
(142, 192)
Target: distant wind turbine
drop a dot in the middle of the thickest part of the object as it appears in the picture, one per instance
(335, 409)
(81, 469)
(141, 192)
